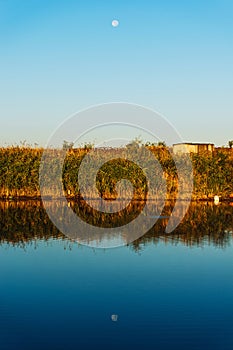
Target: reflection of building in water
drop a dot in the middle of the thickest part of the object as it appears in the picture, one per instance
(193, 147)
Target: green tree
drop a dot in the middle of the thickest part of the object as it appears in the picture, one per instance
(67, 145)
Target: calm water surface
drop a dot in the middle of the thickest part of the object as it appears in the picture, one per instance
(168, 291)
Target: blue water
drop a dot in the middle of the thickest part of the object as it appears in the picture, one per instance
(55, 294)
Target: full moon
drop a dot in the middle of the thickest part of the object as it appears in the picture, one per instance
(115, 23)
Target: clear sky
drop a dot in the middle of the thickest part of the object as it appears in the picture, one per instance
(57, 57)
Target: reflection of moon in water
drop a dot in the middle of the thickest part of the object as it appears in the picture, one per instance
(115, 23)
(114, 318)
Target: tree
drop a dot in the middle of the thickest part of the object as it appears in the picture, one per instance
(162, 144)
(230, 143)
(67, 145)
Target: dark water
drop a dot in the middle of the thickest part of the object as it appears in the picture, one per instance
(168, 291)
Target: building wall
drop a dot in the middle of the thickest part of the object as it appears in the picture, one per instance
(192, 148)
(205, 147)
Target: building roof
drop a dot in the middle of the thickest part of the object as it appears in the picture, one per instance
(193, 143)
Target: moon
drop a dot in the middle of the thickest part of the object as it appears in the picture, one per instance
(115, 23)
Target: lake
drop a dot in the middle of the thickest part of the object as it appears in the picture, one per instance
(162, 291)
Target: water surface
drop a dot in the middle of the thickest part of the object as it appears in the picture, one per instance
(168, 291)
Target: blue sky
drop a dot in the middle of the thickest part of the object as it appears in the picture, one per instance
(58, 57)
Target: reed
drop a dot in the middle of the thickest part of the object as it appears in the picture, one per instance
(19, 174)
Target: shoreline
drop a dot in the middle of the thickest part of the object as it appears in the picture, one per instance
(79, 199)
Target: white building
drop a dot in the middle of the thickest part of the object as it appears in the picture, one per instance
(189, 147)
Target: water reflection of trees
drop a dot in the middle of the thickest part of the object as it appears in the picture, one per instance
(203, 224)
(24, 222)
